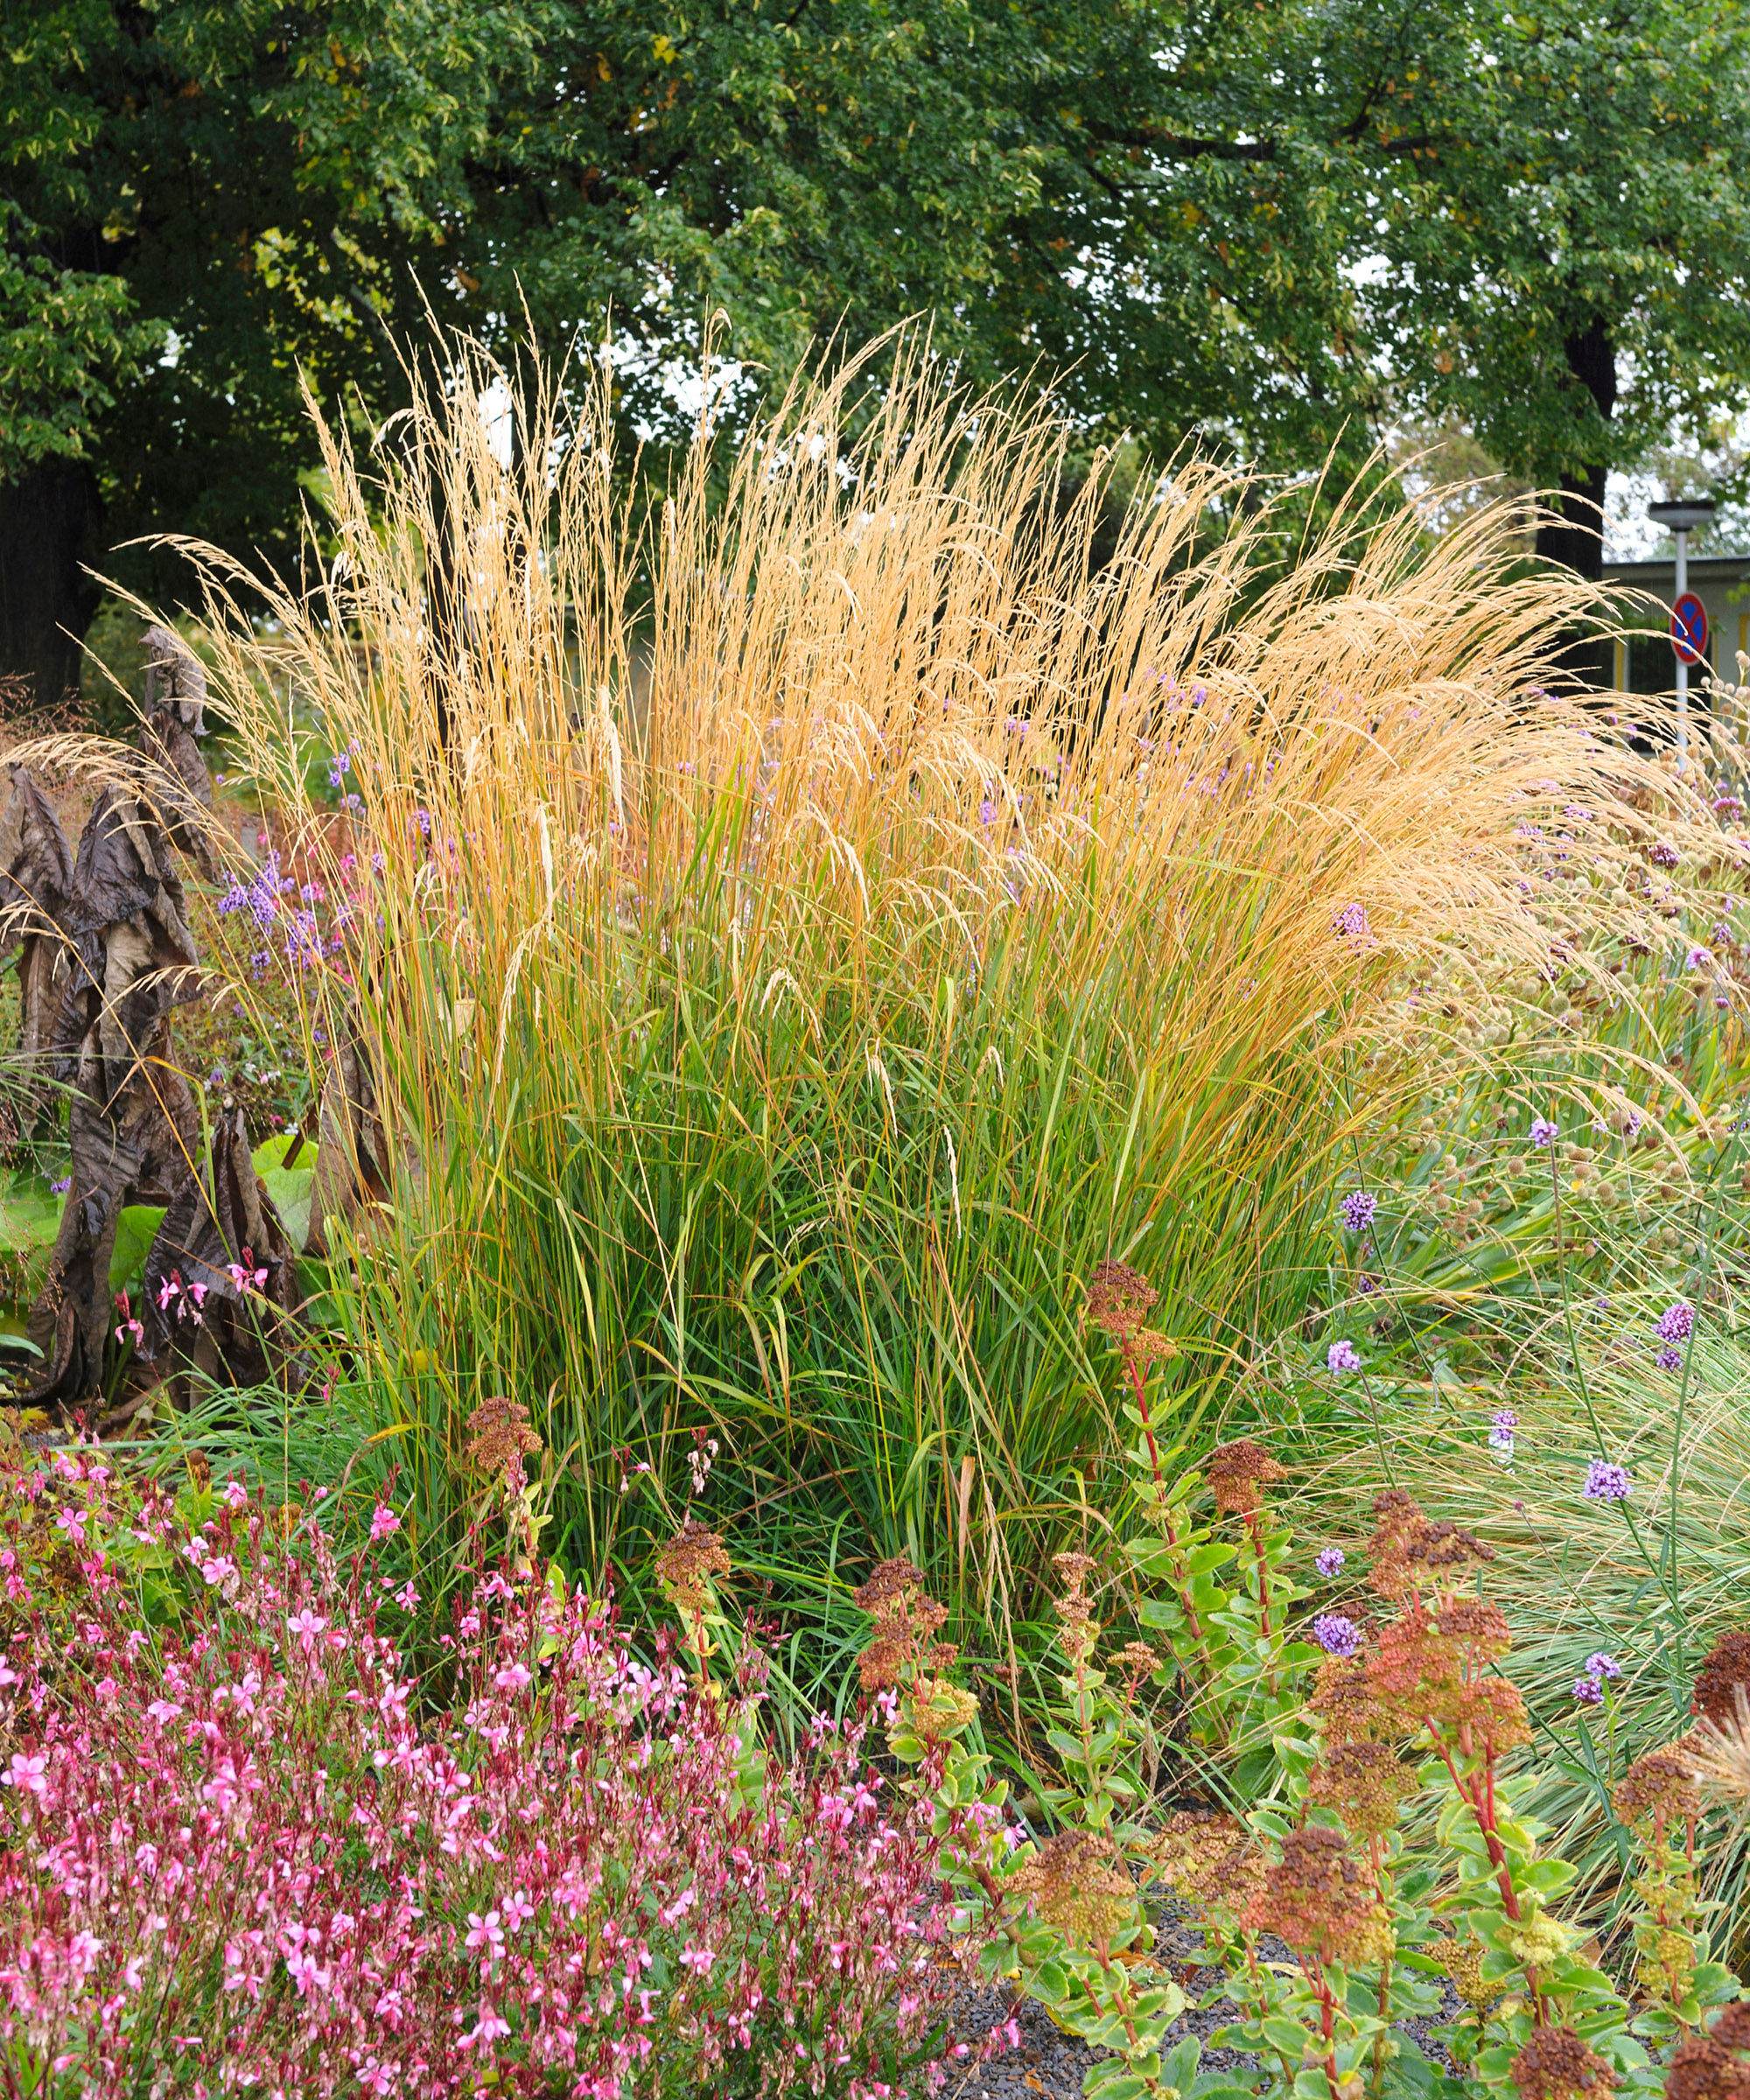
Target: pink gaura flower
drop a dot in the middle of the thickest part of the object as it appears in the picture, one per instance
(28, 1772)
(307, 1626)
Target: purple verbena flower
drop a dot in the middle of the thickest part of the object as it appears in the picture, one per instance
(1669, 1359)
(1676, 1322)
(1662, 854)
(1330, 1562)
(1722, 931)
(1340, 1356)
(1588, 1691)
(1607, 1482)
(1544, 1133)
(1352, 920)
(1500, 1435)
(1336, 1634)
(1358, 1208)
(60, 1188)
(1602, 1665)
(1698, 958)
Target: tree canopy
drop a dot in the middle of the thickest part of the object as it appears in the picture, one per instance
(1276, 226)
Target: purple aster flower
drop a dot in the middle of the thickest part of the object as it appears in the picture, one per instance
(1676, 1323)
(1606, 1482)
(1330, 1562)
(1602, 1665)
(1336, 1634)
(1544, 1133)
(1669, 1359)
(1340, 1356)
(1588, 1691)
(1352, 920)
(1358, 1208)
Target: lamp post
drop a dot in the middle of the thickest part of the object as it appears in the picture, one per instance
(1680, 519)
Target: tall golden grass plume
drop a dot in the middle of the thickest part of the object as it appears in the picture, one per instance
(851, 743)
(879, 689)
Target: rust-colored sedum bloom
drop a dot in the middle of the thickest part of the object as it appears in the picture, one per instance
(1078, 1883)
(1346, 1705)
(1210, 1860)
(907, 1621)
(689, 1564)
(1659, 1788)
(499, 1432)
(1554, 2064)
(1704, 2069)
(1409, 1554)
(1320, 1899)
(1119, 1299)
(1236, 1471)
(1723, 1673)
(1365, 1783)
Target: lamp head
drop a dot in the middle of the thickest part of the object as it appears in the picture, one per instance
(1682, 516)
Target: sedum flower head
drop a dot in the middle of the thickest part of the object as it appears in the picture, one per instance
(690, 1563)
(1659, 1788)
(1118, 1300)
(1365, 1784)
(1319, 1898)
(1554, 2064)
(1077, 1883)
(1236, 1471)
(1722, 1684)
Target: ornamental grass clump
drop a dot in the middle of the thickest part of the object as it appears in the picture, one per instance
(796, 931)
(246, 1848)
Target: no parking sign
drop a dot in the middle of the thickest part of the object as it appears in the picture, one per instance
(1689, 628)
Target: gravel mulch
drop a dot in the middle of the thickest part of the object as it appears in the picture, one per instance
(1051, 2063)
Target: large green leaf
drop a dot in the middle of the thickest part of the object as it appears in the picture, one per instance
(29, 1219)
(135, 1229)
(290, 1186)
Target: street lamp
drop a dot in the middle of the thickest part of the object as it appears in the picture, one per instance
(1680, 519)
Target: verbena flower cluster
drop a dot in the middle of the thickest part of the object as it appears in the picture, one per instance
(241, 1853)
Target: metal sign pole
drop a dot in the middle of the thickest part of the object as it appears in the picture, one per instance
(1681, 535)
(1679, 518)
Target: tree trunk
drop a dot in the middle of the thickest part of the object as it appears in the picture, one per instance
(49, 520)
(1574, 537)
